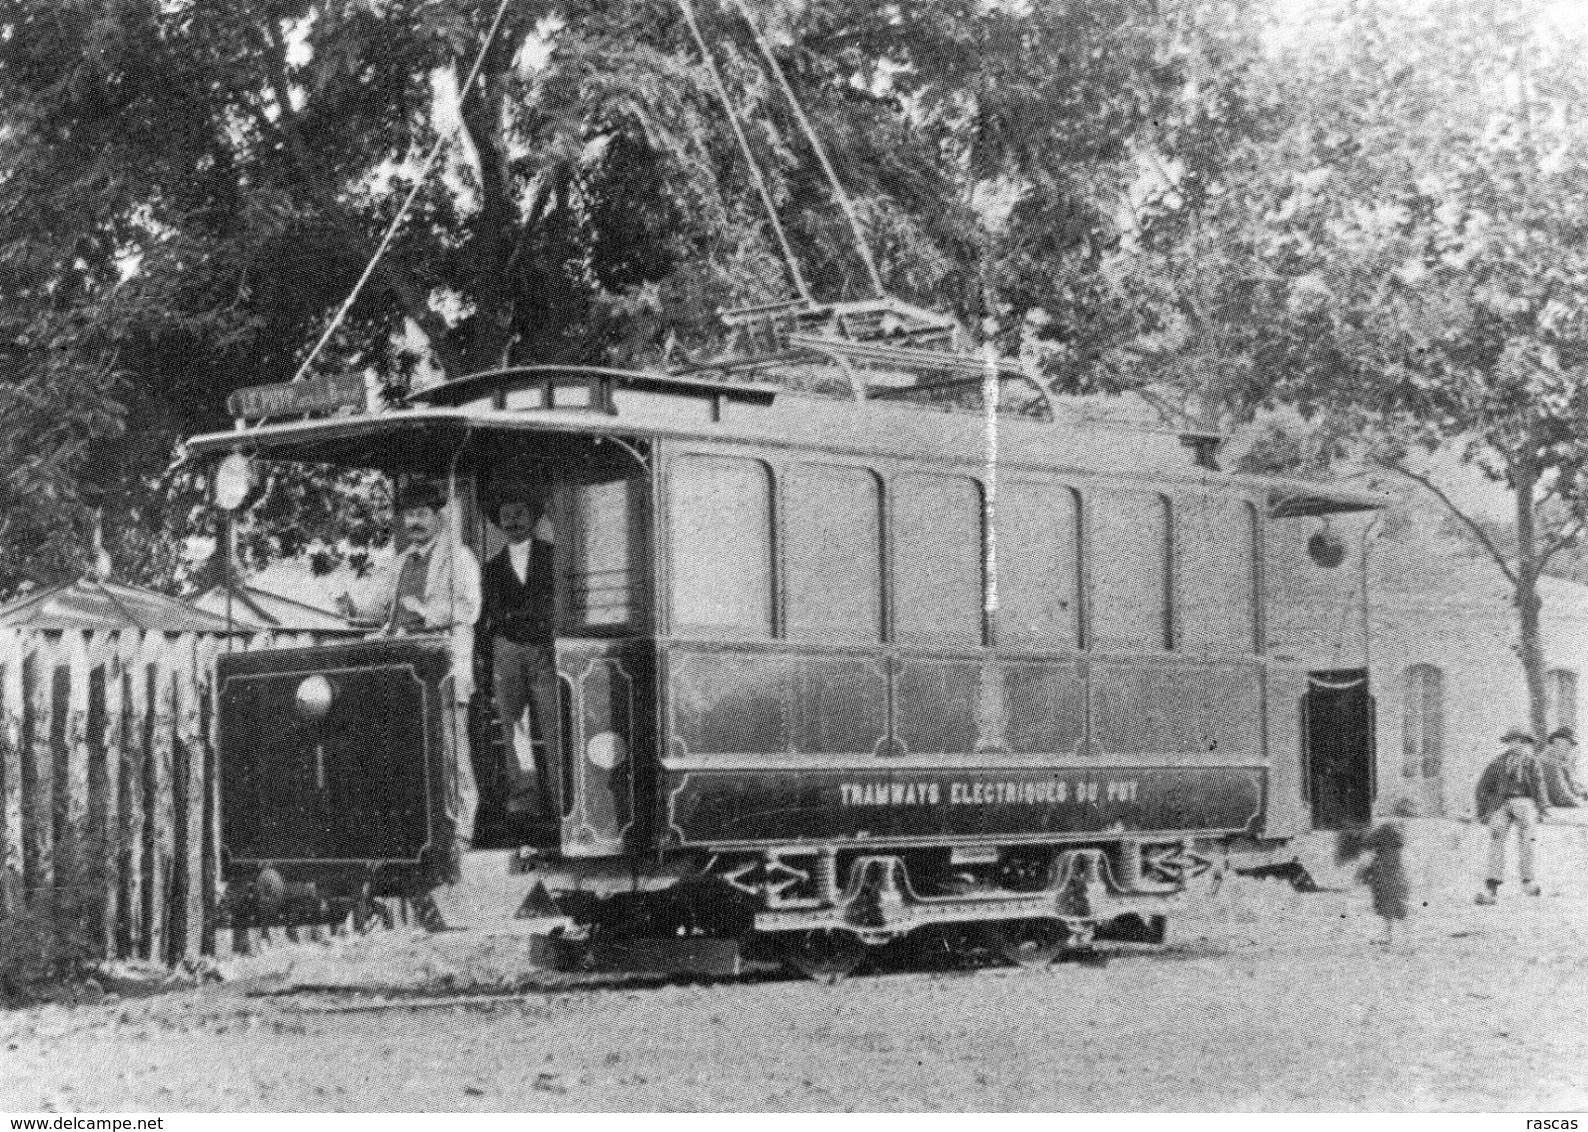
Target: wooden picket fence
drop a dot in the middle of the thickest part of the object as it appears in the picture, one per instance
(108, 783)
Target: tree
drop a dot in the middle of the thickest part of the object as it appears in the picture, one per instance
(1433, 242)
(1191, 280)
(187, 190)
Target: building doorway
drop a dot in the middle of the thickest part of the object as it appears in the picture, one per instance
(1341, 768)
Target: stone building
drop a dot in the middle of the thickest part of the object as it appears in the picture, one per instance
(1436, 638)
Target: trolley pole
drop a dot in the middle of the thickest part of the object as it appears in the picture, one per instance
(991, 713)
(989, 398)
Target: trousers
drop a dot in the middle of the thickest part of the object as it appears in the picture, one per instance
(463, 794)
(1523, 814)
(525, 683)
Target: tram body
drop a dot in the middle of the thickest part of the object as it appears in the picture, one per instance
(780, 683)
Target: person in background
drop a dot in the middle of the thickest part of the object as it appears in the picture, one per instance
(1562, 751)
(435, 590)
(1512, 792)
(520, 612)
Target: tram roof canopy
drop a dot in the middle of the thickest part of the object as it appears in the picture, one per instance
(417, 442)
(483, 414)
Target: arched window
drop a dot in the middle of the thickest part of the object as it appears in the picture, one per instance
(1130, 572)
(721, 541)
(937, 560)
(1216, 605)
(833, 548)
(1424, 731)
(1039, 566)
(1560, 696)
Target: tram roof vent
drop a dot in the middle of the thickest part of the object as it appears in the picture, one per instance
(587, 388)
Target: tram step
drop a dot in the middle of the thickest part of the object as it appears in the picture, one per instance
(668, 955)
(494, 895)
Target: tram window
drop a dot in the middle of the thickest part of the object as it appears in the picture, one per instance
(937, 559)
(1130, 571)
(721, 545)
(607, 536)
(1038, 556)
(1215, 552)
(833, 550)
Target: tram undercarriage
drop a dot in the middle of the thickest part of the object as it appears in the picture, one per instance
(823, 913)
(1028, 906)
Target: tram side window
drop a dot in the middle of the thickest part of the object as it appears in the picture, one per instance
(607, 537)
(1130, 571)
(1038, 567)
(1215, 554)
(937, 560)
(833, 551)
(721, 545)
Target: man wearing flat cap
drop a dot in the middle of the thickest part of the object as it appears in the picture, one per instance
(1512, 792)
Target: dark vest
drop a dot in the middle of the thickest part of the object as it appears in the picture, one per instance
(525, 611)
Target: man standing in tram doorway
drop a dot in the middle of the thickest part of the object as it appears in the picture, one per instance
(1512, 791)
(435, 590)
(520, 612)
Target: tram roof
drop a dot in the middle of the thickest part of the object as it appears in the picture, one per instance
(423, 439)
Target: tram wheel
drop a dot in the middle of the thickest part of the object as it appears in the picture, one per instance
(824, 954)
(1132, 928)
(1027, 943)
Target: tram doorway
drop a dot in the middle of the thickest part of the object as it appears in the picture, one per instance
(1338, 713)
(579, 589)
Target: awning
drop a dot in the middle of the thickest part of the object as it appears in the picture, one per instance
(91, 604)
(1303, 500)
(422, 442)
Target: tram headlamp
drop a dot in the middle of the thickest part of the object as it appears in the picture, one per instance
(314, 697)
(606, 749)
(235, 481)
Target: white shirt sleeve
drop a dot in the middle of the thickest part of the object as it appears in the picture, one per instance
(452, 595)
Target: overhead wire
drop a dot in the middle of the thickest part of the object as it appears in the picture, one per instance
(842, 196)
(402, 211)
(761, 187)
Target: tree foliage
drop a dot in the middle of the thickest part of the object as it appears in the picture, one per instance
(1428, 241)
(187, 190)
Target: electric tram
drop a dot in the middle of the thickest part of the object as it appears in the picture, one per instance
(789, 712)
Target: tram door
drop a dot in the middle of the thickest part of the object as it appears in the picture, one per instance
(1341, 765)
(595, 508)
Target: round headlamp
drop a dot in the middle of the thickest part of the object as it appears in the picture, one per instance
(314, 697)
(235, 477)
(606, 749)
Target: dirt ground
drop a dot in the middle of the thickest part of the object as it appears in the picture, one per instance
(1266, 1000)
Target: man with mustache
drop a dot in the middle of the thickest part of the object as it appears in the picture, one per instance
(436, 591)
(520, 608)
